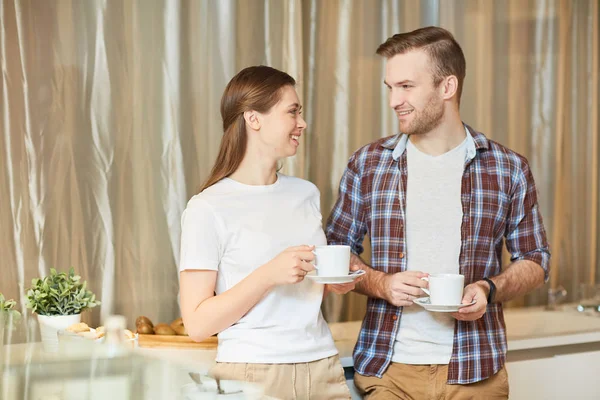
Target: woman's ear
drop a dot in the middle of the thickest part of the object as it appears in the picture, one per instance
(252, 121)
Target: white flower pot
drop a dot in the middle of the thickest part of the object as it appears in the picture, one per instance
(50, 325)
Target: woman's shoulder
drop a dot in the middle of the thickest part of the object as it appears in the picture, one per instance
(206, 199)
(294, 180)
(298, 183)
(212, 195)
(199, 203)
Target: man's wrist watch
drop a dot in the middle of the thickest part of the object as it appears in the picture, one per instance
(492, 292)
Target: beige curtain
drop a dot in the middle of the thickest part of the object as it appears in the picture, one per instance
(109, 121)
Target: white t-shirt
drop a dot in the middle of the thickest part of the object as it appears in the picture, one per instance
(235, 228)
(433, 223)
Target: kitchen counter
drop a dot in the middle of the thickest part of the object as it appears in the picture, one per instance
(541, 344)
(527, 329)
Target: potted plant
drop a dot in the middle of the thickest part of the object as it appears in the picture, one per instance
(58, 300)
(8, 317)
(8, 307)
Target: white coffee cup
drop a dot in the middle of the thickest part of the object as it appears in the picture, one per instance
(445, 289)
(332, 260)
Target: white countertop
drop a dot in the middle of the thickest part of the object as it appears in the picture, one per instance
(534, 334)
(527, 328)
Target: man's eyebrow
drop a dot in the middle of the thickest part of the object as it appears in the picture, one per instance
(403, 82)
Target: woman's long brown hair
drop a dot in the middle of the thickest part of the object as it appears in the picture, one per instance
(255, 88)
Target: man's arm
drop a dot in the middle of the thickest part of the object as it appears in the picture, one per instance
(518, 279)
(372, 284)
(399, 289)
(346, 223)
(526, 241)
(346, 226)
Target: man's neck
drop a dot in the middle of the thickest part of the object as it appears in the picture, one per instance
(440, 140)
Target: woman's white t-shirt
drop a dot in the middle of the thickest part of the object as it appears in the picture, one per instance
(235, 228)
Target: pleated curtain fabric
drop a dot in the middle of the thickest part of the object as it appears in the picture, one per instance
(109, 122)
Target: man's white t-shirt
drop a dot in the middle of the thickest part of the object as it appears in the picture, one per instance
(433, 223)
(235, 228)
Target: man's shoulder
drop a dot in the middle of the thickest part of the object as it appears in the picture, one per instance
(507, 155)
(378, 148)
(501, 154)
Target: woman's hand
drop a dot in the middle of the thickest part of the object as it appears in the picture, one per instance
(290, 266)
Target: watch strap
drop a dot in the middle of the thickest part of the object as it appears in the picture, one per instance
(492, 293)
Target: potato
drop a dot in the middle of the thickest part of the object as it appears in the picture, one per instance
(163, 329)
(180, 330)
(145, 329)
(143, 320)
(178, 327)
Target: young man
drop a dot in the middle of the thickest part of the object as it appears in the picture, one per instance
(437, 198)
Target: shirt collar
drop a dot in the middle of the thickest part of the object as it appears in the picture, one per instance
(398, 144)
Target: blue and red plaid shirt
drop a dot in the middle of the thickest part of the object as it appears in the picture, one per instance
(499, 204)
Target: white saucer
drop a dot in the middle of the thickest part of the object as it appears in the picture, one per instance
(424, 302)
(336, 279)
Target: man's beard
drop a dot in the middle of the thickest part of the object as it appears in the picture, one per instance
(427, 119)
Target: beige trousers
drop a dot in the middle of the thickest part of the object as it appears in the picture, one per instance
(319, 380)
(416, 382)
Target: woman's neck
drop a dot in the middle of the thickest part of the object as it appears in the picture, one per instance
(256, 170)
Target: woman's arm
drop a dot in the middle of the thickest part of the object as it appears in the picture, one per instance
(205, 314)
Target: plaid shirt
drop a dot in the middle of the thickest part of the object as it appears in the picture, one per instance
(499, 201)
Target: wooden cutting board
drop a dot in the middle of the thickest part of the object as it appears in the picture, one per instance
(172, 341)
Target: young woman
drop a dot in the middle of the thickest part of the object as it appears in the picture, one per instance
(246, 247)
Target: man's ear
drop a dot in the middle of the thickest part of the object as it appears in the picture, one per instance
(449, 87)
(252, 120)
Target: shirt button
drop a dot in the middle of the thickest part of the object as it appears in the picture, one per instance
(394, 317)
(401, 255)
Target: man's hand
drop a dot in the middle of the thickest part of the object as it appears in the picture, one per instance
(475, 291)
(402, 288)
(340, 288)
(343, 288)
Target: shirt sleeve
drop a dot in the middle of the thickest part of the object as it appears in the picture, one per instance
(525, 233)
(346, 223)
(200, 244)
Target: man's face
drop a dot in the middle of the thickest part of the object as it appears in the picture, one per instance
(417, 103)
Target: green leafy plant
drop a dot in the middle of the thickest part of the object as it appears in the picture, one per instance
(8, 305)
(7, 308)
(60, 294)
